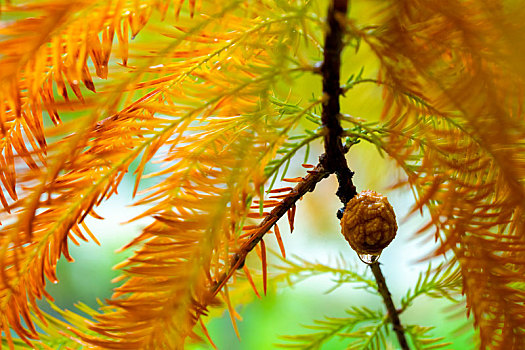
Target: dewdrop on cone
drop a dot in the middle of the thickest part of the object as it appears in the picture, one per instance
(369, 223)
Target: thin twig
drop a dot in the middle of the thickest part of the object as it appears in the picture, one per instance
(393, 313)
(306, 185)
(335, 160)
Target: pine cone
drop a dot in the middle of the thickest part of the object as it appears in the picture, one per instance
(369, 223)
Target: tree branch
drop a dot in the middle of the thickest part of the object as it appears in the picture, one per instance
(335, 160)
(393, 314)
(306, 185)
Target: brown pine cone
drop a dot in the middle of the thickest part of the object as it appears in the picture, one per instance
(369, 223)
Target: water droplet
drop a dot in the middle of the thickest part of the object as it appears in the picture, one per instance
(368, 258)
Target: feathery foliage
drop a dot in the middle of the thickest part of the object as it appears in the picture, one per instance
(364, 328)
(90, 90)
